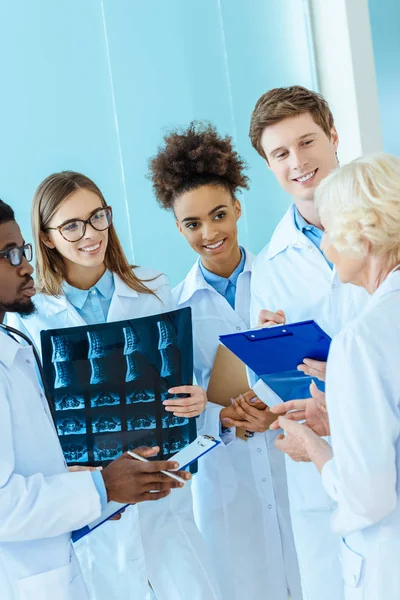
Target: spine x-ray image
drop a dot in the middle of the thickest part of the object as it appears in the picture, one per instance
(107, 384)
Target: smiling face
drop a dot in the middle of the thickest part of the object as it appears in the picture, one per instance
(300, 154)
(87, 254)
(207, 217)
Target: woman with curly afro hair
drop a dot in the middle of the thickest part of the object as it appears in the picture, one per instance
(240, 494)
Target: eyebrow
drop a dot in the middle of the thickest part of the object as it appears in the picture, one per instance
(302, 137)
(214, 210)
(78, 219)
(11, 245)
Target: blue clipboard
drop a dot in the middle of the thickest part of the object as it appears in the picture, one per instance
(274, 353)
(195, 450)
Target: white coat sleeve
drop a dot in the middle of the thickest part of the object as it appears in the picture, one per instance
(257, 303)
(365, 425)
(37, 507)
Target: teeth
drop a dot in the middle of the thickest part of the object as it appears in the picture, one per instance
(90, 248)
(213, 246)
(306, 177)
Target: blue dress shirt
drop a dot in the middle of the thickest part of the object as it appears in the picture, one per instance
(92, 305)
(310, 231)
(226, 286)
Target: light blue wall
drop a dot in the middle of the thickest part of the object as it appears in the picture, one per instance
(385, 26)
(92, 85)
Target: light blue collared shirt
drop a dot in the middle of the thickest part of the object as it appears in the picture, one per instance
(226, 286)
(310, 231)
(92, 305)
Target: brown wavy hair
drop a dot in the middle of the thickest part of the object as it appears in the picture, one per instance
(50, 267)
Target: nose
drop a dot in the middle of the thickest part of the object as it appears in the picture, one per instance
(89, 231)
(298, 160)
(25, 268)
(209, 232)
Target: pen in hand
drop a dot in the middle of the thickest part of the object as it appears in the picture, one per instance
(168, 473)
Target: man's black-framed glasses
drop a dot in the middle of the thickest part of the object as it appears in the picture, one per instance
(15, 255)
(74, 229)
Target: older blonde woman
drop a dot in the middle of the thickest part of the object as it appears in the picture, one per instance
(359, 206)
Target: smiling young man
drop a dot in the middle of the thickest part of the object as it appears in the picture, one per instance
(293, 130)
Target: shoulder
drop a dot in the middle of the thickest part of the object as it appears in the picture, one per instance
(177, 290)
(158, 283)
(151, 278)
(260, 262)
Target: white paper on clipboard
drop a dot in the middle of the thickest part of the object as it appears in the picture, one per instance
(200, 446)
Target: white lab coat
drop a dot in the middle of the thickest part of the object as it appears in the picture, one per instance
(291, 274)
(240, 492)
(363, 400)
(156, 542)
(40, 503)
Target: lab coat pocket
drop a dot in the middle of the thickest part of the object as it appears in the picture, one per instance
(306, 491)
(352, 565)
(64, 583)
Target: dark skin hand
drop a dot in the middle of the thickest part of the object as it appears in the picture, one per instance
(129, 481)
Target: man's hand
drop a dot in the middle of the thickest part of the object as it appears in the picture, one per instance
(302, 444)
(129, 481)
(311, 410)
(246, 416)
(313, 368)
(191, 406)
(267, 318)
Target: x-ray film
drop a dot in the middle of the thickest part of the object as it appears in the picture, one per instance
(108, 382)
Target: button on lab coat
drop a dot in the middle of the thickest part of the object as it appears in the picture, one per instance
(363, 400)
(154, 541)
(40, 503)
(291, 274)
(240, 491)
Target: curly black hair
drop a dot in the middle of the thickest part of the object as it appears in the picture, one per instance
(193, 157)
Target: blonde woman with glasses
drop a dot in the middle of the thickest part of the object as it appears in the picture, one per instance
(83, 277)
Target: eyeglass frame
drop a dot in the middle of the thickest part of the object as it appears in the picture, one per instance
(21, 251)
(85, 223)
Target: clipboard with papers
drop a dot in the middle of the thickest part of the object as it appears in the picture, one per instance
(274, 353)
(185, 457)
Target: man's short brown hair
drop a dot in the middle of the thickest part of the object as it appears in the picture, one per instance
(281, 103)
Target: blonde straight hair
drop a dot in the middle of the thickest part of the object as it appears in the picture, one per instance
(50, 267)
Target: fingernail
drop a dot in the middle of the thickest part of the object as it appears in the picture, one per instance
(225, 419)
(176, 465)
(254, 399)
(232, 401)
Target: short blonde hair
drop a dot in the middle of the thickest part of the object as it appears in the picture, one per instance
(361, 201)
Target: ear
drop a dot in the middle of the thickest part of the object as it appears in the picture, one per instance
(179, 226)
(334, 138)
(238, 209)
(44, 238)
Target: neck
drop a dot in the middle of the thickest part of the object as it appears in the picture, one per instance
(378, 270)
(84, 278)
(224, 269)
(308, 211)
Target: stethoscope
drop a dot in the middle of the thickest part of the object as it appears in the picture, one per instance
(38, 363)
